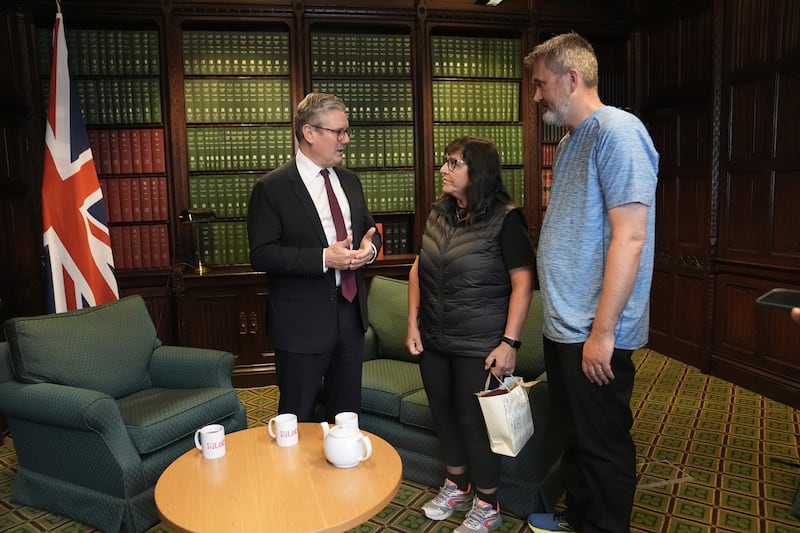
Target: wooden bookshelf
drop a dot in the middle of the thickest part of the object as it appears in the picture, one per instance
(476, 90)
(371, 70)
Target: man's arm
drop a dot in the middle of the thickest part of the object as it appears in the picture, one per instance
(628, 235)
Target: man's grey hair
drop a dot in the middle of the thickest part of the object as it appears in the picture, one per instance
(565, 51)
(313, 109)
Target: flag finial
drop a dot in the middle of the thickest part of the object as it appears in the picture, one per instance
(58, 6)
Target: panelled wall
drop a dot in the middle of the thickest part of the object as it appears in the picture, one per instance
(721, 81)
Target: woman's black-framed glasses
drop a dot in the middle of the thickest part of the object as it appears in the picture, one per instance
(339, 133)
(452, 163)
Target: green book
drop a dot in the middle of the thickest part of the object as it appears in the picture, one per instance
(151, 63)
(155, 100)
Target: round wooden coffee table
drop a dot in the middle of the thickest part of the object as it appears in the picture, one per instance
(259, 486)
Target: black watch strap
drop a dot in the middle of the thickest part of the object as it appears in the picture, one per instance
(514, 343)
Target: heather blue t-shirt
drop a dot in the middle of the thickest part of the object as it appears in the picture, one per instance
(607, 161)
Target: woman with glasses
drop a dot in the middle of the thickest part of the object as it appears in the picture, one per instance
(469, 293)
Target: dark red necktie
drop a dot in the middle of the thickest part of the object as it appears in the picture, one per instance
(348, 276)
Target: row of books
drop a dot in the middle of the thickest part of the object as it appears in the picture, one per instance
(119, 100)
(477, 57)
(376, 147)
(223, 242)
(227, 195)
(612, 88)
(389, 191)
(546, 184)
(508, 139)
(97, 52)
(360, 54)
(235, 52)
(475, 101)
(513, 179)
(226, 243)
(552, 133)
(396, 237)
(242, 148)
(221, 100)
(548, 154)
(140, 246)
(136, 199)
(127, 151)
(371, 100)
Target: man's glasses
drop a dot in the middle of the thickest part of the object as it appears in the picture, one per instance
(452, 163)
(339, 133)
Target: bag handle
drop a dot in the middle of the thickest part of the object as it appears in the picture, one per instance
(502, 382)
(489, 379)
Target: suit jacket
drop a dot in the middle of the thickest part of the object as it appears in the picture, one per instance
(286, 241)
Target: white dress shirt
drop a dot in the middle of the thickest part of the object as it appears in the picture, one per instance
(315, 183)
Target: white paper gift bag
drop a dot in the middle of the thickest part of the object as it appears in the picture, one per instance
(507, 413)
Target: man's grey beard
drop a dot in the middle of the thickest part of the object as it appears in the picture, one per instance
(556, 116)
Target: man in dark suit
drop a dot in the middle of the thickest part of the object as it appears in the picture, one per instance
(311, 232)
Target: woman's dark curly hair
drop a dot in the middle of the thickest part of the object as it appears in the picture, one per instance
(486, 186)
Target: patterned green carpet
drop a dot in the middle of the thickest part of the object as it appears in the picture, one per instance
(713, 457)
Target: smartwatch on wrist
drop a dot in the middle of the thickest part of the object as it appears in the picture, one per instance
(514, 343)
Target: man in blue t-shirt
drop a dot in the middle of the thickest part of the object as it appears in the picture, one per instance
(595, 264)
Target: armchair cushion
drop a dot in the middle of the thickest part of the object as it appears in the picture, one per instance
(384, 384)
(155, 418)
(44, 349)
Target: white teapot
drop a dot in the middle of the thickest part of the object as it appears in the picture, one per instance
(345, 447)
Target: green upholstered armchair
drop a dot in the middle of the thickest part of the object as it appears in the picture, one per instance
(97, 408)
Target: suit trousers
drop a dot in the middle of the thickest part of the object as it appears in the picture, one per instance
(598, 467)
(337, 370)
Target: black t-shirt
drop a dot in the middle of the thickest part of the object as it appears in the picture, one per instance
(515, 243)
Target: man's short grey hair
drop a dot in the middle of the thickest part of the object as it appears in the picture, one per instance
(312, 110)
(565, 51)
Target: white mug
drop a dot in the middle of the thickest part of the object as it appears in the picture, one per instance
(347, 419)
(283, 428)
(211, 440)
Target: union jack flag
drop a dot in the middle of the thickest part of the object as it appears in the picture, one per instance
(77, 245)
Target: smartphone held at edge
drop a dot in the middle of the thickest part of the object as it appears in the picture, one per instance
(780, 299)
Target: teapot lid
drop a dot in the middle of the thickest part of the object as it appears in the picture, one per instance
(344, 431)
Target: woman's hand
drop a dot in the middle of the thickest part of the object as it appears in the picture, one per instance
(413, 340)
(504, 360)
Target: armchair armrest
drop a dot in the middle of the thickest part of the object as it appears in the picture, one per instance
(45, 416)
(182, 367)
(59, 405)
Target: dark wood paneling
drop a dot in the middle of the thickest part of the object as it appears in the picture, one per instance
(786, 122)
(677, 95)
(784, 229)
(756, 347)
(228, 311)
(21, 272)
